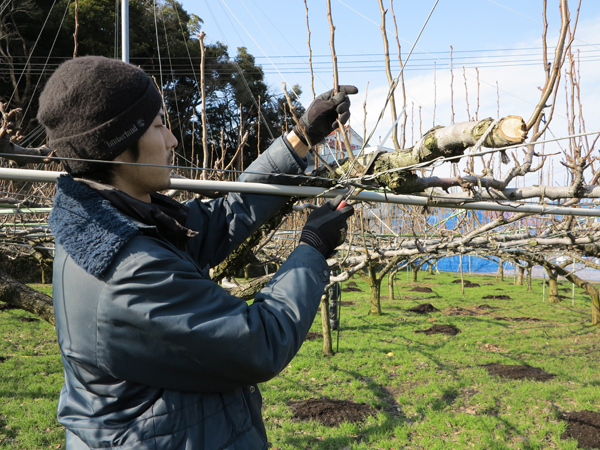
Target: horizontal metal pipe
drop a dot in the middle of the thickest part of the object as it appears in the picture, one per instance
(308, 191)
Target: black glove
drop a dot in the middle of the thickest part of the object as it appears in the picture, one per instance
(320, 118)
(326, 227)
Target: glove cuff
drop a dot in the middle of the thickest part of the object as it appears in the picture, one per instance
(312, 237)
(298, 131)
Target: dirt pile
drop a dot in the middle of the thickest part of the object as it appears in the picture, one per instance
(422, 289)
(496, 297)
(474, 311)
(468, 284)
(351, 289)
(441, 329)
(518, 319)
(331, 412)
(583, 426)
(518, 372)
(458, 311)
(424, 308)
(485, 307)
(311, 336)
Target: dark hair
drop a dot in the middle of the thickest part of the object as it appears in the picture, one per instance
(104, 172)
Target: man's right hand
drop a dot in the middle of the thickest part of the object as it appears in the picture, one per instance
(326, 226)
(320, 118)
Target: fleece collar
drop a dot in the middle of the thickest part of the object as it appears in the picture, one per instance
(88, 227)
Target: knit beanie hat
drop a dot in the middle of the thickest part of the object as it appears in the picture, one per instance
(96, 108)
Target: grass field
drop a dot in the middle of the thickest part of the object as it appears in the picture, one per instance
(428, 391)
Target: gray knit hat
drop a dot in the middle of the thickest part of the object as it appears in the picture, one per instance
(95, 108)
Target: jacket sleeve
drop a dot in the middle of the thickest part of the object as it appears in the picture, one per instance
(225, 223)
(161, 323)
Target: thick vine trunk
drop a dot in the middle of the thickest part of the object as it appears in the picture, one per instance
(520, 276)
(26, 298)
(554, 270)
(500, 274)
(529, 270)
(375, 290)
(553, 288)
(415, 272)
(248, 291)
(391, 286)
(595, 307)
(239, 258)
(327, 343)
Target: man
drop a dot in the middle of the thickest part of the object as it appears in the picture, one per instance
(156, 355)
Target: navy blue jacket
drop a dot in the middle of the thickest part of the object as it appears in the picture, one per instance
(156, 355)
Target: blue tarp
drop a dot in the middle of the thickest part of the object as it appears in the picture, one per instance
(472, 264)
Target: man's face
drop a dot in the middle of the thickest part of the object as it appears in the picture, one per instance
(155, 147)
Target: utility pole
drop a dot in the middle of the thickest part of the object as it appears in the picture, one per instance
(125, 30)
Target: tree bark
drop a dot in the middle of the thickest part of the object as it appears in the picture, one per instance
(415, 272)
(595, 295)
(520, 276)
(391, 286)
(553, 287)
(529, 270)
(248, 291)
(435, 143)
(500, 275)
(375, 289)
(26, 298)
(327, 343)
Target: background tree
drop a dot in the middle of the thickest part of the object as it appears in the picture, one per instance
(37, 35)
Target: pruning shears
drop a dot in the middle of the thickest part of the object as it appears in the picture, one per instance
(372, 159)
(352, 189)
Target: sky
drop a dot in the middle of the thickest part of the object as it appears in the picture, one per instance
(496, 56)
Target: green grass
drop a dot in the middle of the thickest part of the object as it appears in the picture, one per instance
(30, 380)
(430, 391)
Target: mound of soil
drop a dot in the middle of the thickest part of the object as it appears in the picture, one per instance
(344, 303)
(351, 289)
(518, 372)
(518, 319)
(3, 358)
(311, 336)
(475, 311)
(467, 283)
(350, 283)
(485, 306)
(458, 311)
(496, 297)
(421, 289)
(424, 308)
(28, 319)
(331, 412)
(583, 426)
(441, 329)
